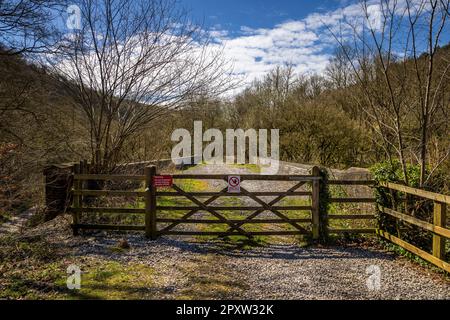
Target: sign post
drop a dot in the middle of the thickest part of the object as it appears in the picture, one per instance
(162, 181)
(234, 184)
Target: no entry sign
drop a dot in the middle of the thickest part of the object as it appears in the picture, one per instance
(162, 181)
(234, 184)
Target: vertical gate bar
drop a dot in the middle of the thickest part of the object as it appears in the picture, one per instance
(148, 183)
(315, 204)
(76, 201)
(81, 186)
(154, 230)
(439, 219)
(150, 203)
(85, 183)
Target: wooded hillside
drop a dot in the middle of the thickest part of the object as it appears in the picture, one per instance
(370, 105)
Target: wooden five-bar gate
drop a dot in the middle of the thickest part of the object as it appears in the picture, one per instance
(235, 226)
(155, 225)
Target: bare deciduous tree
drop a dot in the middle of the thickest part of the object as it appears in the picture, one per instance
(130, 63)
(397, 74)
(26, 25)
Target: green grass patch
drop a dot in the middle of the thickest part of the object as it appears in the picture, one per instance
(243, 241)
(209, 283)
(348, 209)
(295, 202)
(109, 280)
(253, 168)
(4, 216)
(32, 268)
(392, 247)
(29, 266)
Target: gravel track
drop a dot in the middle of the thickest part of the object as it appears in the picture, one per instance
(186, 267)
(216, 270)
(279, 271)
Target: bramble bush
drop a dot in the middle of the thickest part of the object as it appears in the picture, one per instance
(417, 207)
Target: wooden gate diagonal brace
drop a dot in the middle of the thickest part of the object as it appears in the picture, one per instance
(268, 207)
(271, 203)
(192, 212)
(213, 212)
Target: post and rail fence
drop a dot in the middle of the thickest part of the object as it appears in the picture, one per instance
(438, 227)
(300, 226)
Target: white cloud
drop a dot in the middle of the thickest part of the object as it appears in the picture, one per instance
(218, 33)
(305, 43)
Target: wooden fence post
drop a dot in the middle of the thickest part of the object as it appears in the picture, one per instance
(150, 203)
(439, 219)
(76, 201)
(316, 204)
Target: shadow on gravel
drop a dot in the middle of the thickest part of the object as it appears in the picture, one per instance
(144, 247)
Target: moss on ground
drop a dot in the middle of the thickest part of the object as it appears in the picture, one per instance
(32, 268)
(252, 168)
(206, 283)
(110, 280)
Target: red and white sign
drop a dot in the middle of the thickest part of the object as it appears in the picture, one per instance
(234, 184)
(162, 181)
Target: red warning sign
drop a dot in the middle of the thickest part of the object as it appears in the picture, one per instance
(234, 184)
(162, 181)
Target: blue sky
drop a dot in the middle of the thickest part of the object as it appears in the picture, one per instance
(258, 35)
(233, 14)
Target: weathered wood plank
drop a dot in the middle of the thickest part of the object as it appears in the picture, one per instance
(108, 227)
(353, 200)
(246, 177)
(105, 177)
(234, 208)
(417, 192)
(272, 209)
(352, 182)
(359, 231)
(109, 193)
(419, 252)
(274, 201)
(417, 222)
(246, 221)
(218, 233)
(351, 216)
(192, 212)
(76, 202)
(210, 210)
(226, 194)
(315, 208)
(150, 203)
(109, 210)
(439, 221)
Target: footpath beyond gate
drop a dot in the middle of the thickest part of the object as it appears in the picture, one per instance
(313, 225)
(236, 227)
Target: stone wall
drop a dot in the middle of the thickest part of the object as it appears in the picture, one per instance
(58, 182)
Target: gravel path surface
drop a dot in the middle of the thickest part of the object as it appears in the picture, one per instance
(17, 222)
(190, 268)
(213, 271)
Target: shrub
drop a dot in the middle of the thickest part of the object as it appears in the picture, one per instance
(399, 201)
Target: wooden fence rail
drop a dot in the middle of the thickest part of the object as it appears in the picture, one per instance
(438, 227)
(151, 209)
(150, 196)
(309, 226)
